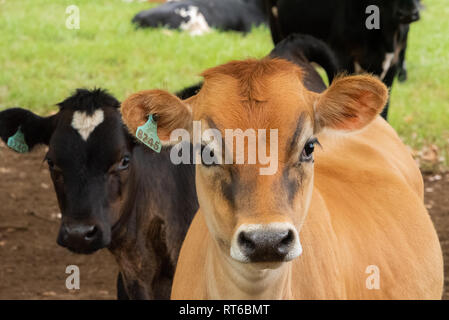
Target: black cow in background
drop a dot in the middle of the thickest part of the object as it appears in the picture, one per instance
(113, 192)
(342, 25)
(302, 50)
(198, 16)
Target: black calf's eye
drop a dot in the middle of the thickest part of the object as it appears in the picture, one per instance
(124, 164)
(50, 163)
(307, 152)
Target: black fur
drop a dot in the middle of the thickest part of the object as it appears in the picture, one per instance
(37, 130)
(341, 24)
(89, 100)
(306, 48)
(189, 91)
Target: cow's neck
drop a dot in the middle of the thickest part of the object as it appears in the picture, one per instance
(230, 279)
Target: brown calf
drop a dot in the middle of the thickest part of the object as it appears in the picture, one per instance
(313, 227)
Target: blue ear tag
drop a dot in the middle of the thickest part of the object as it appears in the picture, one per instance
(148, 135)
(17, 142)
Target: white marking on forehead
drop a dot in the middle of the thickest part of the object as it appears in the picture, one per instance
(85, 124)
(197, 24)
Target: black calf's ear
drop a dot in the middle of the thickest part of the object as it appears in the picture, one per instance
(22, 130)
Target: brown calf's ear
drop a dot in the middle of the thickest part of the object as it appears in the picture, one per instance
(168, 111)
(350, 103)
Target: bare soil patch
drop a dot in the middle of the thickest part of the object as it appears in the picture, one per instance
(32, 265)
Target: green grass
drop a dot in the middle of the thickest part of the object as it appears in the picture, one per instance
(420, 106)
(42, 62)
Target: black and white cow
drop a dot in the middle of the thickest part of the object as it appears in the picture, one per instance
(113, 192)
(199, 16)
(342, 25)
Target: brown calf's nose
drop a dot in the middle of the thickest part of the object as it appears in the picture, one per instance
(266, 245)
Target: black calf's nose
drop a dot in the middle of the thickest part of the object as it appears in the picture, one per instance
(90, 232)
(266, 245)
(81, 238)
(82, 233)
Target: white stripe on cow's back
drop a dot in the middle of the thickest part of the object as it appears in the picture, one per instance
(197, 24)
(85, 124)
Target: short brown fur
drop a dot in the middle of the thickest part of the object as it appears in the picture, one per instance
(361, 204)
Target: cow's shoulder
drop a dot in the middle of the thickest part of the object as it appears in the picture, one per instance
(364, 181)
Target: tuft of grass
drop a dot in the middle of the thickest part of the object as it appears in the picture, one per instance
(42, 62)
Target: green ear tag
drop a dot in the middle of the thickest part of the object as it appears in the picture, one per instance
(17, 142)
(148, 135)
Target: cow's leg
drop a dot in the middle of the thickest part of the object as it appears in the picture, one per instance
(121, 291)
(162, 288)
(129, 288)
(402, 69)
(388, 80)
(273, 20)
(402, 72)
(136, 291)
(384, 113)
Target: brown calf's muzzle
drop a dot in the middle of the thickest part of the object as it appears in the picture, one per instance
(273, 242)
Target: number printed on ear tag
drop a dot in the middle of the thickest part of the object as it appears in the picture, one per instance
(17, 142)
(148, 135)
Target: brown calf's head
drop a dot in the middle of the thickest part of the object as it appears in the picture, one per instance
(255, 210)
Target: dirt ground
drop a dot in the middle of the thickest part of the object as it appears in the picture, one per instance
(32, 265)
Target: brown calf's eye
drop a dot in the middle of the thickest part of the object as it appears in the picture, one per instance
(208, 157)
(307, 152)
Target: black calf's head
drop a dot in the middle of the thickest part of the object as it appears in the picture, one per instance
(89, 157)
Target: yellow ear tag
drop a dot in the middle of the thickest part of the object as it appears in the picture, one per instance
(148, 135)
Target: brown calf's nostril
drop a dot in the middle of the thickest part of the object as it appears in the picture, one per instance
(246, 243)
(288, 238)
